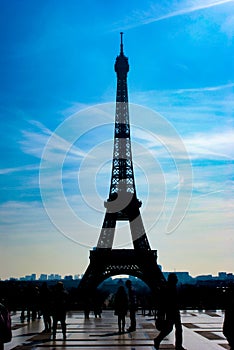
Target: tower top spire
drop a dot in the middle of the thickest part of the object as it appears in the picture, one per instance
(121, 43)
(121, 63)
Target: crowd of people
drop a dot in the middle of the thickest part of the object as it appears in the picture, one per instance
(49, 303)
(52, 304)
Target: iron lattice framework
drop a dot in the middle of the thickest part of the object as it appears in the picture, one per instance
(122, 204)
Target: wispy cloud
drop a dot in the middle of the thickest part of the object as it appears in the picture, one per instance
(12, 211)
(74, 107)
(18, 169)
(187, 108)
(187, 10)
(151, 15)
(145, 96)
(211, 145)
(204, 89)
(207, 145)
(34, 142)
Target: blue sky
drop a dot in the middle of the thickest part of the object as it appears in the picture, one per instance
(56, 61)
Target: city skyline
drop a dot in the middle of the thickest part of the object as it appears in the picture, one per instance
(183, 277)
(57, 111)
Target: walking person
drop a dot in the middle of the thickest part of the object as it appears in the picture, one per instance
(169, 310)
(121, 307)
(59, 308)
(132, 306)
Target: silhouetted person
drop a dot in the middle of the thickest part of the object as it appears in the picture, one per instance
(97, 305)
(59, 308)
(132, 306)
(23, 302)
(169, 310)
(45, 306)
(5, 326)
(228, 324)
(32, 300)
(121, 307)
(87, 306)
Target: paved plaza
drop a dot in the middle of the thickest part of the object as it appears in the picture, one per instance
(201, 330)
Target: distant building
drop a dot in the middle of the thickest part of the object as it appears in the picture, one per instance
(183, 277)
(204, 278)
(43, 277)
(222, 275)
(68, 278)
(31, 277)
(53, 277)
(230, 276)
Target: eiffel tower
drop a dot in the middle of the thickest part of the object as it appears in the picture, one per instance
(122, 204)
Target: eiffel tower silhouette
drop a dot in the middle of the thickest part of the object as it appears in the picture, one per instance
(122, 204)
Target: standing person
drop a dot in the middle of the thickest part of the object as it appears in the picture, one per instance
(228, 324)
(45, 306)
(87, 306)
(59, 302)
(5, 326)
(131, 306)
(97, 305)
(170, 310)
(121, 307)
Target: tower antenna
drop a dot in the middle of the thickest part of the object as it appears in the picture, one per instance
(121, 43)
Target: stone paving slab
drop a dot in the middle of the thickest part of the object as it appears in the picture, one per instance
(201, 331)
